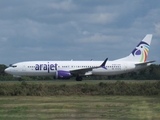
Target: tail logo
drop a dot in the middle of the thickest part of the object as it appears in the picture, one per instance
(141, 51)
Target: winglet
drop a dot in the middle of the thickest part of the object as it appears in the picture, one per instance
(104, 63)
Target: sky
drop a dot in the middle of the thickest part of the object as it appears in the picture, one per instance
(76, 29)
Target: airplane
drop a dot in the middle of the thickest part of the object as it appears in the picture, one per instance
(136, 60)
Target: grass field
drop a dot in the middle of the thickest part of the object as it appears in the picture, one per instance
(80, 107)
(73, 82)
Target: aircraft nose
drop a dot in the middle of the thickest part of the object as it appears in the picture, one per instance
(7, 70)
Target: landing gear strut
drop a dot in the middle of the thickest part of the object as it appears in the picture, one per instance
(79, 78)
(20, 79)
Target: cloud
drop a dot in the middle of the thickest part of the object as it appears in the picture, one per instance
(63, 5)
(98, 38)
(85, 32)
(35, 30)
(3, 39)
(102, 18)
(157, 29)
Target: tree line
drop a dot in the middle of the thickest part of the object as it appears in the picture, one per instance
(150, 73)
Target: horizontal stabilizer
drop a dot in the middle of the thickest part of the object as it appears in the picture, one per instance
(145, 62)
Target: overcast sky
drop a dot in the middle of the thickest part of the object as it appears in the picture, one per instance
(76, 29)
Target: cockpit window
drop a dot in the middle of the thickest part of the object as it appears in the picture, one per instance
(14, 66)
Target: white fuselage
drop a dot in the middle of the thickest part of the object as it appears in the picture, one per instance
(49, 68)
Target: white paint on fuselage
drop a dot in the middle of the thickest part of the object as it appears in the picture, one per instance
(29, 68)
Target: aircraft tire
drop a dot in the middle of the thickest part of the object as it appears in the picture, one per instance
(78, 78)
(20, 79)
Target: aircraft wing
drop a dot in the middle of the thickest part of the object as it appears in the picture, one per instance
(145, 63)
(85, 70)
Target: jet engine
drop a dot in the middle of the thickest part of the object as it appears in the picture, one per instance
(61, 74)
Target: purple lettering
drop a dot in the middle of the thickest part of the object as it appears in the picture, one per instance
(36, 67)
(56, 66)
(52, 67)
(41, 65)
(46, 67)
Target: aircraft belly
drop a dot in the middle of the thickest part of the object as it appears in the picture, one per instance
(38, 73)
(107, 72)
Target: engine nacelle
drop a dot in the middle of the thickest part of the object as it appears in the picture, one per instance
(61, 74)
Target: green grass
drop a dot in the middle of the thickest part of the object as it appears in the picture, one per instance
(80, 107)
(74, 82)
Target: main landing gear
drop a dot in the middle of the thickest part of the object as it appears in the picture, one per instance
(79, 78)
(20, 79)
